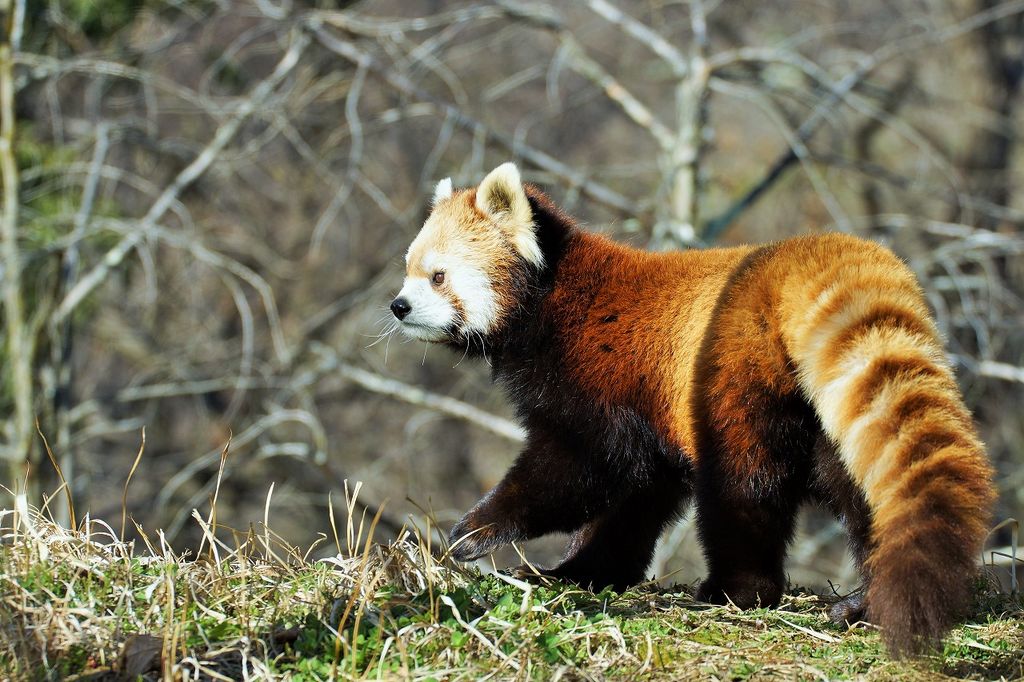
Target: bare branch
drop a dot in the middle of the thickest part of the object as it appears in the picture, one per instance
(678, 227)
(329, 362)
(796, 147)
(645, 35)
(186, 177)
(229, 265)
(61, 335)
(716, 226)
(616, 91)
(42, 66)
(1000, 370)
(378, 28)
(543, 160)
(354, 157)
(573, 54)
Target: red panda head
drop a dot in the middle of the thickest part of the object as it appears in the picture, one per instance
(459, 267)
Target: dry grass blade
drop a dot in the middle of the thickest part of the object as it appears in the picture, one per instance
(212, 521)
(127, 481)
(366, 558)
(266, 517)
(808, 631)
(1012, 554)
(334, 524)
(60, 474)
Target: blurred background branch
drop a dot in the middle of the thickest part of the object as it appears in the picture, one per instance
(205, 206)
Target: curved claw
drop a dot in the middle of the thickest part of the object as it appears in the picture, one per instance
(849, 610)
(469, 543)
(531, 573)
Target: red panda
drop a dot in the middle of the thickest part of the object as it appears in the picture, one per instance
(748, 380)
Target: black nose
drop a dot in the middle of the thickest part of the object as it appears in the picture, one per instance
(400, 307)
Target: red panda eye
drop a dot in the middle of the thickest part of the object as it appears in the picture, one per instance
(438, 278)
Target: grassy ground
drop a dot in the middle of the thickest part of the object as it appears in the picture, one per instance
(84, 605)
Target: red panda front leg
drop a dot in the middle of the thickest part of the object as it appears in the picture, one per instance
(550, 488)
(616, 548)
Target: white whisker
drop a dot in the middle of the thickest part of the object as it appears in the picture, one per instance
(386, 334)
(376, 337)
(483, 348)
(464, 354)
(387, 347)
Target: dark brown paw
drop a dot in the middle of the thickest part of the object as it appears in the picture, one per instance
(710, 593)
(470, 540)
(751, 592)
(849, 610)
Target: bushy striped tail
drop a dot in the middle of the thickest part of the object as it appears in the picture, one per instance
(869, 358)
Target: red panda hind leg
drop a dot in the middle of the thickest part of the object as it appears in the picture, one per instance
(755, 436)
(748, 497)
(834, 488)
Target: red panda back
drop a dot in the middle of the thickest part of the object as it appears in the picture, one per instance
(633, 337)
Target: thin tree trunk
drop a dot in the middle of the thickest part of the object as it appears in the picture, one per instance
(19, 347)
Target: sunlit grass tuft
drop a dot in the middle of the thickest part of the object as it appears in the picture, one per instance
(83, 604)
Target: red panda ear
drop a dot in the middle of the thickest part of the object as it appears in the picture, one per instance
(442, 191)
(501, 194)
(502, 198)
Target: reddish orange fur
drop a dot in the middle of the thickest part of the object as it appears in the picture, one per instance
(807, 368)
(652, 297)
(665, 304)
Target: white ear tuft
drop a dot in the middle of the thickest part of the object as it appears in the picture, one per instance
(442, 191)
(501, 197)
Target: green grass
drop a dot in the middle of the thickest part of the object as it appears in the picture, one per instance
(73, 605)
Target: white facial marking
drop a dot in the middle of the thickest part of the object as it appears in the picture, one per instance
(473, 289)
(430, 314)
(432, 262)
